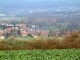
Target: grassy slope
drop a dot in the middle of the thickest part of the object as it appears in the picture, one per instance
(68, 54)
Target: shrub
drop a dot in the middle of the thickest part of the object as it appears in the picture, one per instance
(2, 44)
(27, 45)
(38, 44)
(71, 41)
(52, 43)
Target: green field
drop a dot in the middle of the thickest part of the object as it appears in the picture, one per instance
(31, 38)
(10, 18)
(63, 54)
(24, 38)
(53, 28)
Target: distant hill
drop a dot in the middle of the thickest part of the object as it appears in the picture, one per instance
(10, 5)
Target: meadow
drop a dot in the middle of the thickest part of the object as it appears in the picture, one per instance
(56, 54)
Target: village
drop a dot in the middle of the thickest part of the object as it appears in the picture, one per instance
(21, 29)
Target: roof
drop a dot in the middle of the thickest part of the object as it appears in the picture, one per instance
(24, 33)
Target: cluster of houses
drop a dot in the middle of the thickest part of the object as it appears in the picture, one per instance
(22, 30)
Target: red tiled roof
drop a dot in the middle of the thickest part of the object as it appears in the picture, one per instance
(21, 25)
(23, 33)
(43, 32)
(1, 33)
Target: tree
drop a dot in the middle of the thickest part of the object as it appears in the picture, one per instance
(24, 20)
(7, 35)
(73, 26)
(4, 27)
(13, 33)
(19, 33)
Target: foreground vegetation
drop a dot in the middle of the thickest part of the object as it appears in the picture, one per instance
(63, 54)
(41, 49)
(68, 42)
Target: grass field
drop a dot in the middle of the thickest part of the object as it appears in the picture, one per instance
(24, 38)
(53, 28)
(9, 18)
(31, 38)
(63, 54)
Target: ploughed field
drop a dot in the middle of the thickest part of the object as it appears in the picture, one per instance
(56, 54)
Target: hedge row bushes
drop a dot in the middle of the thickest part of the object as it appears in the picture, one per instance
(69, 41)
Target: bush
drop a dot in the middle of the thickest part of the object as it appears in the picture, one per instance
(71, 41)
(52, 43)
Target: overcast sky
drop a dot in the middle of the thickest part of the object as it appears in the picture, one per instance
(14, 1)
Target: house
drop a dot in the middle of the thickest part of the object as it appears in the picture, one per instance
(21, 25)
(9, 29)
(44, 33)
(1, 32)
(57, 33)
(24, 33)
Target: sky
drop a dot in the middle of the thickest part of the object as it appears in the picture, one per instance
(34, 2)
(14, 1)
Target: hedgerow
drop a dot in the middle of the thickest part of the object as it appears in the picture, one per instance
(69, 41)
